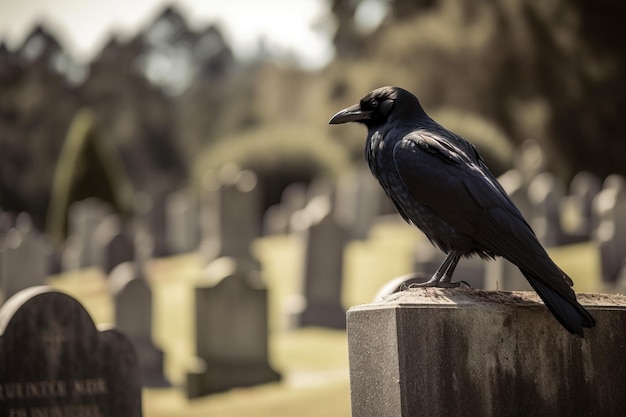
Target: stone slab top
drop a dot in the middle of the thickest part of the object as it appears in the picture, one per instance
(467, 297)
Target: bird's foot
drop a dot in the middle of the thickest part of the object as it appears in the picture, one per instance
(434, 283)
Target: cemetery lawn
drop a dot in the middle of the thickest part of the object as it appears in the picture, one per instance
(313, 362)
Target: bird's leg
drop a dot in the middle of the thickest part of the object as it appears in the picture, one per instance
(444, 273)
(447, 268)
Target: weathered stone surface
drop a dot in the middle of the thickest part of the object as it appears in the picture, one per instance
(464, 352)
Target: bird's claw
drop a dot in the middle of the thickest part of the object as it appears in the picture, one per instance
(438, 284)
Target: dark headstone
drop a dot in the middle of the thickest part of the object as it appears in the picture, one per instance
(231, 330)
(55, 362)
(120, 248)
(132, 298)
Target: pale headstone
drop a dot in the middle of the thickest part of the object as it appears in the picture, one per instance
(236, 200)
(231, 330)
(55, 362)
(276, 217)
(149, 223)
(359, 199)
(132, 298)
(575, 208)
(84, 218)
(25, 258)
(325, 240)
(530, 160)
(182, 218)
(545, 193)
(609, 209)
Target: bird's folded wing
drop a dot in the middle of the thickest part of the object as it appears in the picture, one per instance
(461, 191)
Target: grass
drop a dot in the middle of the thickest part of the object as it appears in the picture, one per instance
(312, 361)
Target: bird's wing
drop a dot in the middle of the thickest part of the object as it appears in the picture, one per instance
(460, 190)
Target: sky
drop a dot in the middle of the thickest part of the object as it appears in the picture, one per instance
(84, 26)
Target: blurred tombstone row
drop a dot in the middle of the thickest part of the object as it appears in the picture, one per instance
(231, 299)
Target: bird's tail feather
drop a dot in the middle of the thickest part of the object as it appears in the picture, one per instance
(566, 310)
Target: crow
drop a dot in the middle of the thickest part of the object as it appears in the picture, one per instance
(439, 183)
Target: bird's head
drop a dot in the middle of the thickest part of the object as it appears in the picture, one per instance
(378, 106)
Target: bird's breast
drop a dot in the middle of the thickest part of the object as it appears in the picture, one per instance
(379, 155)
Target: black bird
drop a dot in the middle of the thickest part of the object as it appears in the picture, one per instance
(439, 183)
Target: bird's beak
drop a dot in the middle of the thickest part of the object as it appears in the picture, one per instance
(351, 114)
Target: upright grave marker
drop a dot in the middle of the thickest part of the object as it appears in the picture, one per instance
(24, 260)
(609, 208)
(323, 265)
(55, 362)
(132, 299)
(231, 330)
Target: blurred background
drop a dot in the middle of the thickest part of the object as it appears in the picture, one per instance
(154, 114)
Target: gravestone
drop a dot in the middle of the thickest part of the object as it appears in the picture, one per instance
(118, 249)
(7, 222)
(132, 299)
(84, 218)
(55, 362)
(359, 199)
(575, 208)
(530, 159)
(275, 220)
(322, 275)
(108, 227)
(276, 217)
(24, 260)
(149, 223)
(609, 209)
(545, 193)
(182, 218)
(231, 329)
(236, 200)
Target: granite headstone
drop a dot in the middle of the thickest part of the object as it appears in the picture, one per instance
(55, 362)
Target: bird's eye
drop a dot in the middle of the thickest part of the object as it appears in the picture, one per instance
(374, 103)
